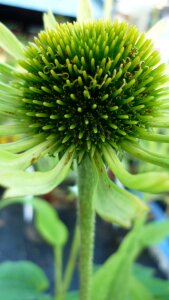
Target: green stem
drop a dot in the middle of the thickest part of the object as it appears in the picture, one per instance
(87, 181)
(72, 259)
(58, 252)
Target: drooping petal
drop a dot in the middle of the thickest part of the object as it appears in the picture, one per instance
(8, 89)
(108, 5)
(84, 12)
(11, 129)
(20, 183)
(11, 161)
(6, 71)
(136, 150)
(114, 203)
(150, 182)
(10, 43)
(23, 144)
(49, 20)
(150, 136)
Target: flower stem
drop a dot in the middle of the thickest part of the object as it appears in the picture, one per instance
(87, 181)
(72, 259)
(58, 275)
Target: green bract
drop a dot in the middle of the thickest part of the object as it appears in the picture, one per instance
(84, 89)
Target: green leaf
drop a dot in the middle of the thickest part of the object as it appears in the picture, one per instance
(151, 182)
(113, 203)
(20, 183)
(72, 296)
(113, 278)
(157, 287)
(84, 11)
(49, 20)
(154, 232)
(49, 224)
(22, 280)
(10, 43)
(47, 221)
(138, 291)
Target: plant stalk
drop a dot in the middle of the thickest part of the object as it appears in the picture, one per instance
(59, 294)
(72, 259)
(87, 181)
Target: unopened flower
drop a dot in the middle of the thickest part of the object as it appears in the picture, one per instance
(93, 88)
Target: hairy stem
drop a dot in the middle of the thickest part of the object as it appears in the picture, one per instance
(72, 259)
(87, 181)
(59, 295)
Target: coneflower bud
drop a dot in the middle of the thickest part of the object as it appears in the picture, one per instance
(90, 84)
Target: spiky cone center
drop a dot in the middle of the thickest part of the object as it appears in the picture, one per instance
(90, 84)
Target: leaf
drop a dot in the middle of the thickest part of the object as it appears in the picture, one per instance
(154, 232)
(22, 280)
(113, 203)
(138, 291)
(113, 278)
(47, 221)
(21, 183)
(157, 287)
(72, 296)
(49, 224)
(151, 182)
(10, 43)
(84, 11)
(49, 20)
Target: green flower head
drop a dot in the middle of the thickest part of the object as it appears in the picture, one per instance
(89, 85)
(83, 89)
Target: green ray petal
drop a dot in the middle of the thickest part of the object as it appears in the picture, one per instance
(150, 182)
(49, 20)
(6, 72)
(150, 136)
(108, 5)
(8, 89)
(10, 43)
(20, 183)
(137, 151)
(23, 144)
(9, 130)
(11, 161)
(84, 11)
(114, 203)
